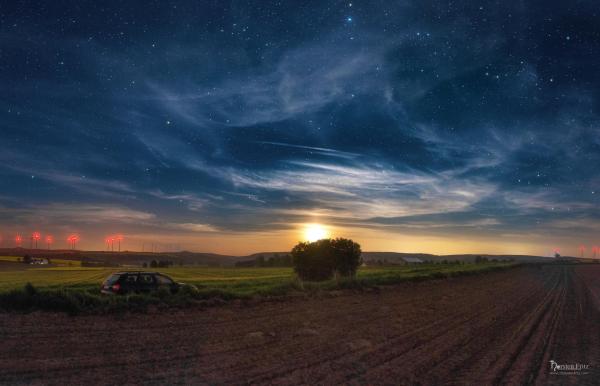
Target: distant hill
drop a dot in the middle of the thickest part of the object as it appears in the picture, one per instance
(396, 257)
(127, 257)
(213, 259)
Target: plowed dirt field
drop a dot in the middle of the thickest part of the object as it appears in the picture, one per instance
(496, 328)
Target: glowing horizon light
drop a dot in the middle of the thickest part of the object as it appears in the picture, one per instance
(314, 232)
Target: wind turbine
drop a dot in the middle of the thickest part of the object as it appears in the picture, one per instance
(72, 239)
(35, 236)
(119, 238)
(49, 240)
(18, 240)
(582, 250)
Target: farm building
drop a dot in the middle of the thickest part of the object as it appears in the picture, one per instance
(412, 260)
(38, 260)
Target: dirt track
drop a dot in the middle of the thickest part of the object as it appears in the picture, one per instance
(499, 328)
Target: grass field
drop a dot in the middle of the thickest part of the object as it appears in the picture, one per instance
(80, 285)
(240, 280)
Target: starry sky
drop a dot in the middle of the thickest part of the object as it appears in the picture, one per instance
(226, 126)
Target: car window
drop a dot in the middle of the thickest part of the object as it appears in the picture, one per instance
(112, 279)
(163, 279)
(146, 279)
(131, 278)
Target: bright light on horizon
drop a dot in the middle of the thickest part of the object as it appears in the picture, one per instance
(314, 232)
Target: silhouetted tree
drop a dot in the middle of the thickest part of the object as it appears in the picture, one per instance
(319, 260)
(480, 260)
(314, 261)
(27, 259)
(346, 256)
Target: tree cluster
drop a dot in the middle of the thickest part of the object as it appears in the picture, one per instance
(276, 260)
(322, 259)
(159, 264)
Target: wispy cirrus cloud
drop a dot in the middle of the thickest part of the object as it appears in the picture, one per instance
(305, 80)
(60, 213)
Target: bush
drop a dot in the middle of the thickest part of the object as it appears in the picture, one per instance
(30, 290)
(314, 261)
(319, 260)
(480, 260)
(347, 256)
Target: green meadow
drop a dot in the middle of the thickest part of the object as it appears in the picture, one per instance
(240, 282)
(69, 287)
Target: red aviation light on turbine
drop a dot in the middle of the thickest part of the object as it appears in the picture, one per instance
(18, 240)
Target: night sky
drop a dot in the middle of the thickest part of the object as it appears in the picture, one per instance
(226, 126)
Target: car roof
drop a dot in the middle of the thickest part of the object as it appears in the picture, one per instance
(136, 273)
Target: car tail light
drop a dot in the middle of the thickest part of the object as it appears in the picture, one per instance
(116, 287)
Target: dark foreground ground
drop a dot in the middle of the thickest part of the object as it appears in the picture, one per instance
(497, 328)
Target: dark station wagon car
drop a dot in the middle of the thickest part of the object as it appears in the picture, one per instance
(123, 283)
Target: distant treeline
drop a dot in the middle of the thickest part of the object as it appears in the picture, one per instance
(477, 260)
(159, 264)
(276, 260)
(97, 263)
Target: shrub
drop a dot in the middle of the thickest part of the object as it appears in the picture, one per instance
(314, 261)
(319, 260)
(30, 289)
(346, 256)
(480, 260)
